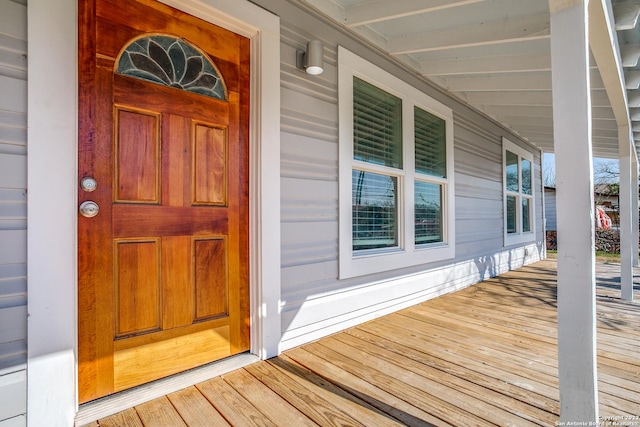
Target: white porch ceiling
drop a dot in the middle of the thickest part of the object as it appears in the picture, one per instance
(495, 55)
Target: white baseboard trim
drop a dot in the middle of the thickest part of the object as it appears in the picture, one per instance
(319, 317)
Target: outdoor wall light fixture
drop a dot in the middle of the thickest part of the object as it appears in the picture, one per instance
(312, 60)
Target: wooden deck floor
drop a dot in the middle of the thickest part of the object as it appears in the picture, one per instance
(482, 356)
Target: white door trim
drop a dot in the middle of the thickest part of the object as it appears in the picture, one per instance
(52, 183)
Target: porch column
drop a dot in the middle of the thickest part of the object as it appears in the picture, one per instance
(626, 235)
(635, 232)
(575, 211)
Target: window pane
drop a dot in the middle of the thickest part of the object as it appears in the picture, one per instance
(512, 172)
(526, 176)
(377, 125)
(526, 224)
(511, 215)
(430, 144)
(428, 212)
(374, 210)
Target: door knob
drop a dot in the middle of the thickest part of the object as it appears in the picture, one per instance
(89, 209)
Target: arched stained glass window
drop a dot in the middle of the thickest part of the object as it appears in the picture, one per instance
(173, 62)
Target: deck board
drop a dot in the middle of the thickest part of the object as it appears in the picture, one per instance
(266, 400)
(195, 409)
(128, 417)
(236, 409)
(485, 355)
(159, 412)
(354, 377)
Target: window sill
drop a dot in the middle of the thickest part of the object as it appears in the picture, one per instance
(354, 265)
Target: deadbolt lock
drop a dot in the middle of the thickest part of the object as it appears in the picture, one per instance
(88, 184)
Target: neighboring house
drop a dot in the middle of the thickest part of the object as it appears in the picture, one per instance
(194, 195)
(551, 223)
(606, 195)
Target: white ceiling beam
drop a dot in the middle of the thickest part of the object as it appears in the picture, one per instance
(385, 10)
(626, 14)
(538, 112)
(503, 31)
(545, 144)
(534, 136)
(525, 120)
(487, 65)
(600, 113)
(510, 98)
(329, 8)
(500, 82)
(634, 98)
(630, 55)
(609, 152)
(608, 136)
(517, 121)
(605, 133)
(372, 36)
(608, 124)
(546, 129)
(598, 98)
(603, 113)
(510, 82)
(632, 79)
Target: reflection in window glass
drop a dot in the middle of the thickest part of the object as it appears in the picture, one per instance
(374, 210)
(526, 224)
(428, 213)
(526, 177)
(377, 125)
(512, 172)
(511, 215)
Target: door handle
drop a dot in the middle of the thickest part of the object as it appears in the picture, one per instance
(89, 209)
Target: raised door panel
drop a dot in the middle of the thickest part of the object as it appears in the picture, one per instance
(137, 286)
(210, 165)
(137, 152)
(211, 283)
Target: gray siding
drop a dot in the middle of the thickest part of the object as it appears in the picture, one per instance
(550, 208)
(13, 211)
(309, 188)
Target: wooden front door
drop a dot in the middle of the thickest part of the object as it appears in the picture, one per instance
(163, 154)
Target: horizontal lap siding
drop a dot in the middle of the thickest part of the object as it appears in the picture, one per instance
(479, 217)
(13, 212)
(309, 171)
(315, 302)
(550, 208)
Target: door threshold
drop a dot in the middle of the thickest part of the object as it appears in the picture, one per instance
(112, 404)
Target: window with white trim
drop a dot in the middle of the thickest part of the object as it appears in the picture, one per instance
(396, 172)
(519, 225)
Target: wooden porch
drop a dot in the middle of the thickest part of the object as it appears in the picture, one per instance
(483, 356)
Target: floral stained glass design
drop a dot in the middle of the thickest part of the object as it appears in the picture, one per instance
(170, 61)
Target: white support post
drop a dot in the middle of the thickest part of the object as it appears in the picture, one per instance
(624, 194)
(635, 232)
(575, 212)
